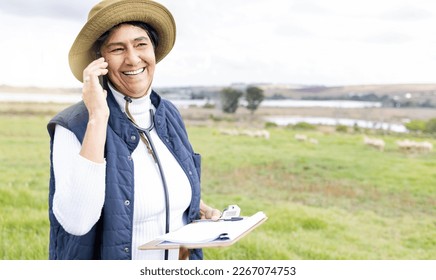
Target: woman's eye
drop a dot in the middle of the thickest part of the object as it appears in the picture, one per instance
(117, 50)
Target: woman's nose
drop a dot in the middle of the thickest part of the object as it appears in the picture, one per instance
(132, 58)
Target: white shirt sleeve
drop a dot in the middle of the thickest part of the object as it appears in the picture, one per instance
(80, 184)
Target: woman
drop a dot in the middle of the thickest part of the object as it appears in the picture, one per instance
(122, 168)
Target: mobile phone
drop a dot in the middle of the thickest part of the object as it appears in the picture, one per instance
(101, 80)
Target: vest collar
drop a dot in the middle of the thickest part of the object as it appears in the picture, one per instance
(120, 124)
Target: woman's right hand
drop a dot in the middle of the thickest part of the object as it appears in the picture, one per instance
(93, 93)
(94, 97)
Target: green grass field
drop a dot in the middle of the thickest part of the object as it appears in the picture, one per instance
(336, 200)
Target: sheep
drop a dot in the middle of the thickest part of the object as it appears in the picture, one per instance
(374, 142)
(406, 145)
(232, 132)
(300, 137)
(425, 146)
(256, 133)
(412, 146)
(313, 141)
(251, 133)
(262, 134)
(305, 138)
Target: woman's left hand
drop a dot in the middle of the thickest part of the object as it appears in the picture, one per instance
(207, 212)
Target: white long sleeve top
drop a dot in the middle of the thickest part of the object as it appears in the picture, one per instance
(80, 185)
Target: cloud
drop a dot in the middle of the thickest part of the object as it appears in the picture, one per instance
(72, 10)
(391, 38)
(225, 41)
(407, 13)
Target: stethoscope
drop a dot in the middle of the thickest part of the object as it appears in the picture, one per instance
(153, 151)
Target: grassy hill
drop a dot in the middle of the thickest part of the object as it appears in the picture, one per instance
(337, 199)
(13, 89)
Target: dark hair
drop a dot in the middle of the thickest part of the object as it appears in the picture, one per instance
(151, 32)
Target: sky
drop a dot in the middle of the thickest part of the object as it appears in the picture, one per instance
(220, 42)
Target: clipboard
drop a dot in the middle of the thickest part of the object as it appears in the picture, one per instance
(207, 234)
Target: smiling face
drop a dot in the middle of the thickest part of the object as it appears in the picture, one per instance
(130, 54)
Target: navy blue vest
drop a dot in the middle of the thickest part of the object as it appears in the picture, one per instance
(111, 236)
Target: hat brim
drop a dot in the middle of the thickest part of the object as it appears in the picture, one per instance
(81, 52)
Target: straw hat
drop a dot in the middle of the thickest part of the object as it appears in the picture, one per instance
(109, 13)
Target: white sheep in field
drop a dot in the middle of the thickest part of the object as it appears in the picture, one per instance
(406, 145)
(425, 146)
(374, 142)
(250, 133)
(300, 137)
(412, 146)
(262, 134)
(256, 133)
(232, 132)
(305, 138)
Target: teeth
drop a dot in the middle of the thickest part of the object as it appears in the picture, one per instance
(134, 72)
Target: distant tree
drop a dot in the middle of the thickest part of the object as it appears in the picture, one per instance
(254, 96)
(416, 125)
(302, 126)
(356, 128)
(230, 99)
(430, 126)
(341, 128)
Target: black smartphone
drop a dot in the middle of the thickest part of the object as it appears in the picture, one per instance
(101, 80)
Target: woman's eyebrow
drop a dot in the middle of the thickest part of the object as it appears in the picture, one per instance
(142, 38)
(114, 44)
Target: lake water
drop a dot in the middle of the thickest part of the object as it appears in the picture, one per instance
(289, 103)
(286, 120)
(286, 103)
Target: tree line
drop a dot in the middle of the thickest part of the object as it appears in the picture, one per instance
(421, 126)
(230, 98)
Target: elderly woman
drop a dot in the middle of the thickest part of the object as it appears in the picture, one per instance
(122, 168)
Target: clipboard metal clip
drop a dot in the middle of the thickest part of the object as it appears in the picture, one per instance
(231, 212)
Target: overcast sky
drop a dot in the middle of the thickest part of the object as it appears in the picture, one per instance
(219, 42)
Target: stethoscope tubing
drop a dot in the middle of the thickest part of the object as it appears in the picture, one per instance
(146, 133)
